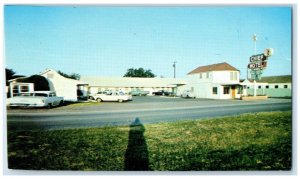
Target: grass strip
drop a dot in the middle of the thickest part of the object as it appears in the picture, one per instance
(258, 141)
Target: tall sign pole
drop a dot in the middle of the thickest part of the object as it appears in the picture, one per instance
(258, 63)
(254, 40)
(174, 66)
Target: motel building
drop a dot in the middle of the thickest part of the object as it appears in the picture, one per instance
(216, 81)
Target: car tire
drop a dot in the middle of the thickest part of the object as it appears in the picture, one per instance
(49, 106)
(91, 98)
(120, 100)
(61, 103)
(99, 100)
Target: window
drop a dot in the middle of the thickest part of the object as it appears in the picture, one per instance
(215, 90)
(240, 90)
(233, 76)
(15, 89)
(207, 74)
(259, 86)
(276, 86)
(24, 88)
(41, 94)
(226, 90)
(200, 75)
(267, 86)
(285, 86)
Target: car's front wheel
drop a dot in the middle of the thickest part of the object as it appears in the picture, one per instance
(120, 100)
(99, 100)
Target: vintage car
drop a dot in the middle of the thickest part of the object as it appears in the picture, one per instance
(162, 93)
(112, 96)
(35, 99)
(139, 93)
(188, 94)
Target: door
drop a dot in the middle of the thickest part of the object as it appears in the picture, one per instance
(233, 92)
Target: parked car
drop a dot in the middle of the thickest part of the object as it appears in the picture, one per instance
(162, 93)
(113, 96)
(188, 94)
(139, 93)
(35, 99)
(92, 96)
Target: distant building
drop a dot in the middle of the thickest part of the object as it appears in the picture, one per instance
(216, 81)
(272, 86)
(128, 84)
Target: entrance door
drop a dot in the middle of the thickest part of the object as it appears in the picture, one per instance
(233, 92)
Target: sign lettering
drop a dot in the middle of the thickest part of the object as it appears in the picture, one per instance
(257, 65)
(259, 57)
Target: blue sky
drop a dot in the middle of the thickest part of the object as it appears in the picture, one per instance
(106, 40)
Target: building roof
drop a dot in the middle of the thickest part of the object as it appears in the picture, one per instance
(273, 79)
(277, 79)
(44, 73)
(132, 81)
(214, 67)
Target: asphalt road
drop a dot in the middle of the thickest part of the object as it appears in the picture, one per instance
(162, 110)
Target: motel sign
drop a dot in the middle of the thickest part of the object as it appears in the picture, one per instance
(258, 63)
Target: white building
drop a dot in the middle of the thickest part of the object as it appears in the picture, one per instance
(65, 87)
(19, 87)
(217, 81)
(127, 84)
(272, 86)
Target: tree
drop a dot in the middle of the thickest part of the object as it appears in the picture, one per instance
(11, 74)
(74, 76)
(140, 72)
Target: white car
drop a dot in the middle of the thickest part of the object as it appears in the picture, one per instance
(35, 99)
(113, 96)
(188, 94)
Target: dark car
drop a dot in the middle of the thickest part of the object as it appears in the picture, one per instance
(139, 93)
(162, 93)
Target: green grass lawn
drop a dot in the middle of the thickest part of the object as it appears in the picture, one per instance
(260, 141)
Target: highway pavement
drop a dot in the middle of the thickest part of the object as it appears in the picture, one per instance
(147, 109)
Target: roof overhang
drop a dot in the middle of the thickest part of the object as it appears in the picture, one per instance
(234, 84)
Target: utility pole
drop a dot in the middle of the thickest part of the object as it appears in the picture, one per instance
(174, 66)
(254, 40)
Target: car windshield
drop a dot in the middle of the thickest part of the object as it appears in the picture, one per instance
(121, 93)
(25, 94)
(41, 94)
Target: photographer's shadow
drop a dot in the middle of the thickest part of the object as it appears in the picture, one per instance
(136, 157)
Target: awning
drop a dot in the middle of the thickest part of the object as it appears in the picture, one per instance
(237, 84)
